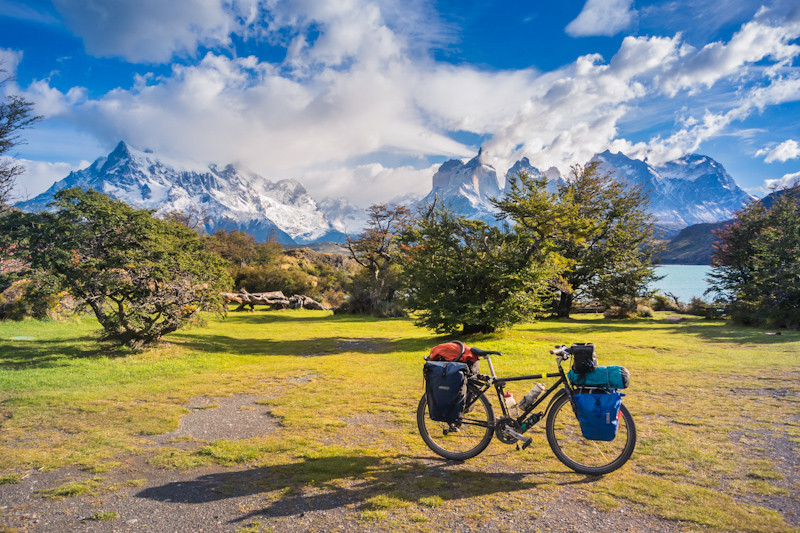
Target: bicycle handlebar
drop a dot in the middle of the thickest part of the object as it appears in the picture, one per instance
(561, 351)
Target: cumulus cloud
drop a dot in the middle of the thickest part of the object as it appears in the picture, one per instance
(371, 183)
(788, 149)
(356, 82)
(39, 176)
(788, 180)
(764, 37)
(602, 17)
(152, 31)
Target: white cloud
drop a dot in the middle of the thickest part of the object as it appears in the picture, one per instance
(369, 184)
(769, 35)
(39, 176)
(602, 17)
(356, 84)
(788, 180)
(9, 61)
(152, 31)
(788, 149)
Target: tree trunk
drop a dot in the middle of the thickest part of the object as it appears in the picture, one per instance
(564, 305)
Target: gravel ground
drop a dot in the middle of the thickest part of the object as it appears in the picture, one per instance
(216, 498)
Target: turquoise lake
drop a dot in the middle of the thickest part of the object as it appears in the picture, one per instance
(684, 281)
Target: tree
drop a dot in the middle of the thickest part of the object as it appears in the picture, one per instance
(16, 114)
(141, 276)
(756, 263)
(373, 289)
(599, 228)
(610, 251)
(462, 273)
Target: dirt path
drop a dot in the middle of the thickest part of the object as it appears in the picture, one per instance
(140, 497)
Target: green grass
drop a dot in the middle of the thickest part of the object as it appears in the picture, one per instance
(104, 516)
(709, 400)
(70, 489)
(10, 479)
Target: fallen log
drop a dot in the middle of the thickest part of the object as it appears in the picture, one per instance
(276, 299)
(301, 301)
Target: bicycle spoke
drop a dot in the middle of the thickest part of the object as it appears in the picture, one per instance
(462, 440)
(583, 455)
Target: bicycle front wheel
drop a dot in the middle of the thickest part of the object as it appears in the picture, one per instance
(585, 456)
(459, 440)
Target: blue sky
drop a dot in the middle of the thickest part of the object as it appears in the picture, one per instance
(364, 98)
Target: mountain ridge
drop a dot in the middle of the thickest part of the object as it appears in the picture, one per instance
(694, 188)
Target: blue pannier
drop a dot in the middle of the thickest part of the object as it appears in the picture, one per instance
(446, 389)
(598, 415)
(606, 377)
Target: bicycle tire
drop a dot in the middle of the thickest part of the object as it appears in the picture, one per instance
(585, 456)
(463, 439)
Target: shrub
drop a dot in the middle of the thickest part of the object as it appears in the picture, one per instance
(462, 273)
(659, 302)
(644, 311)
(757, 265)
(267, 278)
(141, 276)
(617, 312)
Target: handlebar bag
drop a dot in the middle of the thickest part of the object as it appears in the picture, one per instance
(583, 357)
(606, 377)
(445, 389)
(598, 415)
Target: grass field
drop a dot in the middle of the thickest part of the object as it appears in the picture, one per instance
(717, 408)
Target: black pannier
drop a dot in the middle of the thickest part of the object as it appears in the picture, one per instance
(583, 357)
(445, 389)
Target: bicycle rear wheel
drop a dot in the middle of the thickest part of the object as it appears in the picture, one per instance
(588, 456)
(459, 440)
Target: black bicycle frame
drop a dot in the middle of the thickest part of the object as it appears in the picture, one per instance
(525, 420)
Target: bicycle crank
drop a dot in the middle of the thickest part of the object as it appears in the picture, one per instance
(507, 431)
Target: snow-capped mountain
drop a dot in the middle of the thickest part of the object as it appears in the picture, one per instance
(227, 198)
(691, 190)
(552, 174)
(466, 188)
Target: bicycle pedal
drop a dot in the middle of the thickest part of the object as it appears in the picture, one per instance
(526, 444)
(518, 448)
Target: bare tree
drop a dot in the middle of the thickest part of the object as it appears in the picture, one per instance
(16, 114)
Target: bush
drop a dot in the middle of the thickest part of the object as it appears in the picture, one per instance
(659, 302)
(644, 311)
(141, 276)
(268, 278)
(617, 312)
(757, 265)
(465, 274)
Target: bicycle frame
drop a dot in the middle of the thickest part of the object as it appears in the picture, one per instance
(528, 418)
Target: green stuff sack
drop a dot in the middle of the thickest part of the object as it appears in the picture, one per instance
(605, 377)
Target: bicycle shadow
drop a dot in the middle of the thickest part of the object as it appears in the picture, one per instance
(318, 484)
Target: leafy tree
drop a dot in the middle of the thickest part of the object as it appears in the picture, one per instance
(373, 290)
(16, 114)
(756, 263)
(609, 252)
(599, 228)
(462, 273)
(141, 276)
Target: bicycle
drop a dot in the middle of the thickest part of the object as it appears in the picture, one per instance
(473, 431)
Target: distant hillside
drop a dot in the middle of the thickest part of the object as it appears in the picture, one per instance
(693, 245)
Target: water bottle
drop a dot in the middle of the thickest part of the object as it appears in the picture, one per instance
(529, 398)
(511, 405)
